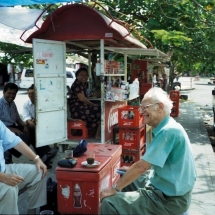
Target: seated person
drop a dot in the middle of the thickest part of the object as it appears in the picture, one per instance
(29, 118)
(80, 106)
(14, 177)
(10, 117)
(167, 189)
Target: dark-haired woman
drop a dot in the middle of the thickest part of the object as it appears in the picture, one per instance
(80, 106)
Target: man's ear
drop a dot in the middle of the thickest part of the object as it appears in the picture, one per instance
(160, 106)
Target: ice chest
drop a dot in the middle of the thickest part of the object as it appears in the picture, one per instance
(79, 187)
(109, 150)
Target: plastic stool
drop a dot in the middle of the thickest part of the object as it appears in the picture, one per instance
(76, 129)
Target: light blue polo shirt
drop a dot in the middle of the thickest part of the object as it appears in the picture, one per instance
(171, 158)
(7, 140)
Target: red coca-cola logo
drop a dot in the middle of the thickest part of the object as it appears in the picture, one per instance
(128, 144)
(127, 123)
(77, 124)
(113, 116)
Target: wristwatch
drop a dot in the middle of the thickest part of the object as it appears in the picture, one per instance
(115, 188)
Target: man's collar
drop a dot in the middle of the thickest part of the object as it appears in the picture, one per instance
(161, 124)
(5, 101)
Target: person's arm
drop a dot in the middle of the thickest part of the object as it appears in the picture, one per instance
(84, 99)
(13, 179)
(26, 112)
(10, 179)
(26, 150)
(24, 124)
(27, 117)
(131, 175)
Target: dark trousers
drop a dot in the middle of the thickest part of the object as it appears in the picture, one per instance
(41, 151)
(29, 139)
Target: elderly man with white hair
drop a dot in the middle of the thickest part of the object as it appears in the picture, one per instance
(167, 189)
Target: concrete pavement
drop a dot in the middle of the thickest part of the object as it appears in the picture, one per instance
(203, 200)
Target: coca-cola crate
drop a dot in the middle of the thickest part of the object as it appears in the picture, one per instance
(174, 94)
(174, 112)
(131, 138)
(144, 87)
(78, 188)
(129, 157)
(129, 116)
(175, 104)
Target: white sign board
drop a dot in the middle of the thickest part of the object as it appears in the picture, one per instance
(50, 91)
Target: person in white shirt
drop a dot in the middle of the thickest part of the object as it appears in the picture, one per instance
(29, 118)
(154, 80)
(29, 108)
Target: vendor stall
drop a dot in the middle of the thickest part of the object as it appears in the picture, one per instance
(90, 33)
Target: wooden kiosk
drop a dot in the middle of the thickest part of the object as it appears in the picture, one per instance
(88, 32)
(83, 30)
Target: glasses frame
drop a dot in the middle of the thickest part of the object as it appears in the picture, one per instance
(142, 108)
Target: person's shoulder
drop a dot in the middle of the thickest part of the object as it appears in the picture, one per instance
(27, 102)
(2, 99)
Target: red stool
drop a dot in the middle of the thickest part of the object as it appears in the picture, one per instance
(77, 129)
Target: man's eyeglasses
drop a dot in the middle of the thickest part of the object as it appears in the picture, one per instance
(142, 108)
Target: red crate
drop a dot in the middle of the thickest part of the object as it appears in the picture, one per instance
(129, 116)
(144, 88)
(129, 157)
(79, 187)
(174, 94)
(175, 104)
(132, 138)
(174, 112)
(109, 150)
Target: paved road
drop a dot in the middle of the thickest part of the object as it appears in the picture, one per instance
(201, 94)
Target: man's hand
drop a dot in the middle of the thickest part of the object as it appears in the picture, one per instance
(31, 122)
(11, 179)
(26, 129)
(124, 168)
(41, 165)
(107, 192)
(15, 130)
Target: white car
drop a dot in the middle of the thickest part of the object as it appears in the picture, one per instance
(27, 78)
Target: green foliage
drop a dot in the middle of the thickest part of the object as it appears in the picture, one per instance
(12, 54)
(185, 27)
(172, 38)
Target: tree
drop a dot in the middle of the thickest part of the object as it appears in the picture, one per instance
(182, 27)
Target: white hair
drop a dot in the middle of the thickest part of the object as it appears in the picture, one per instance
(156, 94)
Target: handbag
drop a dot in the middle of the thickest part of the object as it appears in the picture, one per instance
(51, 197)
(80, 149)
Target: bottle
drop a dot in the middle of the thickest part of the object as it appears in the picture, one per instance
(77, 196)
